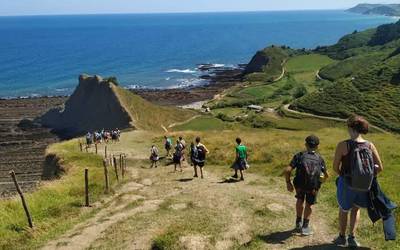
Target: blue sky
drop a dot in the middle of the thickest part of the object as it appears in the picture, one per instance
(46, 7)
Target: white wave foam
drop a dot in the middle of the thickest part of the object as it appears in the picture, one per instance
(184, 71)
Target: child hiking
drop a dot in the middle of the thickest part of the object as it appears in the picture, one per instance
(240, 163)
(198, 155)
(168, 145)
(310, 167)
(154, 156)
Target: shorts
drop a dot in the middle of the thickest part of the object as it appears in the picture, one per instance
(309, 196)
(240, 164)
(348, 198)
(198, 163)
(177, 159)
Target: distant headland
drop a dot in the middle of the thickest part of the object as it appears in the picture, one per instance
(377, 9)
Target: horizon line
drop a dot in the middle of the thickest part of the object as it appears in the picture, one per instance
(172, 12)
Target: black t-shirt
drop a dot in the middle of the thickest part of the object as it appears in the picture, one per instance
(295, 163)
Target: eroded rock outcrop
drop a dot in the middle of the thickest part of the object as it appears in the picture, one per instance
(94, 105)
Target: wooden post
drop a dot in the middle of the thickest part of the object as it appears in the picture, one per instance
(105, 151)
(80, 146)
(106, 175)
(115, 167)
(28, 215)
(86, 187)
(86, 148)
(123, 165)
(95, 147)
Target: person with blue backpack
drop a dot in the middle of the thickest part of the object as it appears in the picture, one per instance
(357, 162)
(198, 154)
(310, 173)
(168, 145)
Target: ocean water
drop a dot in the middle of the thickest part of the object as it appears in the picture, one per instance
(44, 55)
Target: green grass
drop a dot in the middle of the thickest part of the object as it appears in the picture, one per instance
(56, 206)
(149, 116)
(306, 63)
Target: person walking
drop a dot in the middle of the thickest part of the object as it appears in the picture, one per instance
(154, 156)
(241, 162)
(183, 143)
(168, 145)
(199, 153)
(310, 167)
(177, 157)
(356, 161)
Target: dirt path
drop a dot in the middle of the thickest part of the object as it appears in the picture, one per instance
(287, 109)
(257, 213)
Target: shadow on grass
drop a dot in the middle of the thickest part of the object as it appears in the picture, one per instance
(185, 179)
(277, 237)
(328, 246)
(229, 180)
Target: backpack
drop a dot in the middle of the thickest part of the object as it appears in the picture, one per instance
(168, 143)
(361, 171)
(309, 171)
(201, 153)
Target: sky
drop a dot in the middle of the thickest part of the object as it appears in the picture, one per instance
(53, 7)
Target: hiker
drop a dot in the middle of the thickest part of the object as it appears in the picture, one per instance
(168, 145)
(240, 163)
(177, 157)
(118, 132)
(114, 136)
(356, 162)
(183, 143)
(89, 139)
(154, 156)
(191, 153)
(199, 157)
(310, 173)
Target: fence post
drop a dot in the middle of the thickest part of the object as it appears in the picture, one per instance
(95, 146)
(115, 167)
(80, 146)
(86, 148)
(86, 187)
(28, 215)
(106, 175)
(105, 151)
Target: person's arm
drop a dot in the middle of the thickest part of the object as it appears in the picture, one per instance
(206, 149)
(338, 158)
(377, 158)
(288, 173)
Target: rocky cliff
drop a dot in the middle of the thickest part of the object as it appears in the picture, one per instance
(94, 105)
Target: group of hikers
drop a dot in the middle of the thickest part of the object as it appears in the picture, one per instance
(356, 162)
(103, 136)
(197, 155)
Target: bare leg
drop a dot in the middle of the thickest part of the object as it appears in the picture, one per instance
(201, 173)
(195, 170)
(354, 218)
(180, 166)
(342, 221)
(307, 211)
(299, 208)
(241, 175)
(175, 167)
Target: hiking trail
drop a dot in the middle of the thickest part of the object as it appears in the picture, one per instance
(156, 200)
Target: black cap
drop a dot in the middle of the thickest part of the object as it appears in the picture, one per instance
(312, 141)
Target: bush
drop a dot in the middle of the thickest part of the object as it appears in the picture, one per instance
(300, 91)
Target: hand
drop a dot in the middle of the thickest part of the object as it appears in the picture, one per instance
(289, 187)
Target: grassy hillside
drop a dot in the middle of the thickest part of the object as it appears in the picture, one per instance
(267, 64)
(365, 82)
(56, 206)
(373, 92)
(147, 115)
(377, 9)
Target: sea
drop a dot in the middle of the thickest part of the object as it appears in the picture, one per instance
(44, 55)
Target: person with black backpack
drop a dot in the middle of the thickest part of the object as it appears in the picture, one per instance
(198, 155)
(310, 168)
(357, 162)
(177, 156)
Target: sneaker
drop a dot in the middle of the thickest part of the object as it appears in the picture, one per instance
(306, 231)
(235, 176)
(298, 227)
(340, 241)
(241, 178)
(352, 242)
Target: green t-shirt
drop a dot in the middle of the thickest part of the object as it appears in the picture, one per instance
(241, 150)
